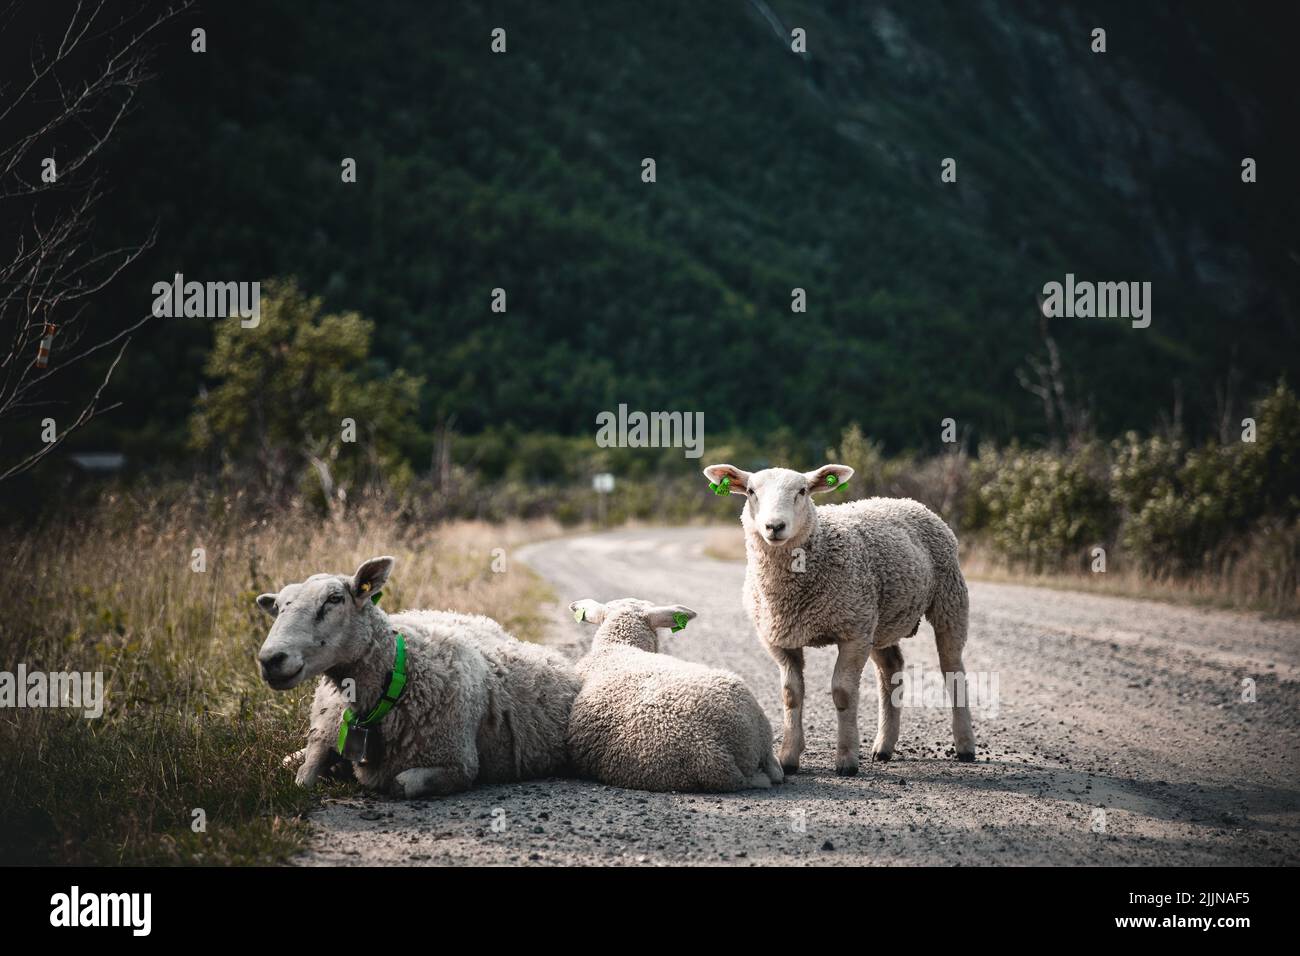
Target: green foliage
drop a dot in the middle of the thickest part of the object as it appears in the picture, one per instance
(873, 472)
(1175, 510)
(1268, 474)
(1178, 504)
(284, 388)
(1185, 509)
(1044, 509)
(124, 792)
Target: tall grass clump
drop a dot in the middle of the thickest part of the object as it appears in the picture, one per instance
(187, 724)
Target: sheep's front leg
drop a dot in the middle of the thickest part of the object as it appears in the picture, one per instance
(317, 757)
(322, 735)
(844, 691)
(791, 664)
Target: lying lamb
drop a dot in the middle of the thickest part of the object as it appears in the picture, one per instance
(438, 701)
(858, 575)
(647, 721)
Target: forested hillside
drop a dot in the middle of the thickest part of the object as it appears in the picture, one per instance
(774, 170)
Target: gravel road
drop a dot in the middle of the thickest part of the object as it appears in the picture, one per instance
(1119, 736)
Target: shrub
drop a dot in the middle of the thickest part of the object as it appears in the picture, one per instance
(1190, 510)
(1044, 509)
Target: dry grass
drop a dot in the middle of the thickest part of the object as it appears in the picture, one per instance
(726, 544)
(187, 722)
(1246, 586)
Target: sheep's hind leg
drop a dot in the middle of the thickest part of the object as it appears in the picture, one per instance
(430, 782)
(844, 691)
(950, 617)
(954, 674)
(888, 661)
(791, 664)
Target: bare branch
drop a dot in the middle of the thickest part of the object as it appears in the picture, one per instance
(83, 80)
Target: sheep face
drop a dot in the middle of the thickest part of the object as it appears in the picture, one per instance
(778, 501)
(325, 621)
(629, 621)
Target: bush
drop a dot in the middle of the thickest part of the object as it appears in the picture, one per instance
(1177, 505)
(1044, 509)
(1192, 510)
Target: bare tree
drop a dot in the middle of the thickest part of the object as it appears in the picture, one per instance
(1067, 420)
(58, 110)
(1225, 399)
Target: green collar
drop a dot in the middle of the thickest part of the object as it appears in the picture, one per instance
(396, 684)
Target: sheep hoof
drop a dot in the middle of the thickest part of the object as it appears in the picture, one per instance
(846, 768)
(306, 777)
(882, 755)
(966, 757)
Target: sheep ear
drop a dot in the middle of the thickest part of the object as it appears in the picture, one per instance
(727, 478)
(593, 612)
(670, 615)
(828, 478)
(370, 577)
(267, 603)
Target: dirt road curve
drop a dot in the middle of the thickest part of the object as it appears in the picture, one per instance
(1134, 707)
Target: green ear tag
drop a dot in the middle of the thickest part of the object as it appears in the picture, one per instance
(374, 598)
(580, 615)
(723, 487)
(833, 481)
(679, 619)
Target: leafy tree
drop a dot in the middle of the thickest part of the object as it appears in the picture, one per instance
(295, 403)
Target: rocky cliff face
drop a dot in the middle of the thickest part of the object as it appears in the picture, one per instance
(1149, 134)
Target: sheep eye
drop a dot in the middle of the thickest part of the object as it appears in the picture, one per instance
(801, 492)
(334, 599)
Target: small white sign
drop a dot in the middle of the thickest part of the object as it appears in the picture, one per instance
(604, 483)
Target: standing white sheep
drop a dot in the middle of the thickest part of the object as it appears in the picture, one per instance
(858, 575)
(648, 721)
(444, 700)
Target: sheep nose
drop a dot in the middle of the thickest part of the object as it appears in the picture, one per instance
(776, 527)
(273, 663)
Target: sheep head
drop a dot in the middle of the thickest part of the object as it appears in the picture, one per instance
(323, 622)
(778, 501)
(630, 620)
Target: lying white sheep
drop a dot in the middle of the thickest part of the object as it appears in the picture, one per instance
(476, 705)
(858, 575)
(648, 721)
